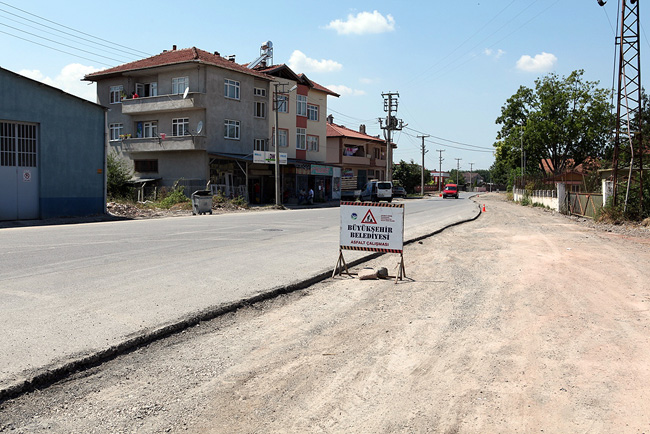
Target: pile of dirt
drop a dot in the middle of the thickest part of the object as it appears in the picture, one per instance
(144, 211)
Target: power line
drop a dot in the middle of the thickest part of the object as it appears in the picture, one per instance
(452, 141)
(70, 28)
(55, 49)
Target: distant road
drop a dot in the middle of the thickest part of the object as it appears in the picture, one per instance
(68, 291)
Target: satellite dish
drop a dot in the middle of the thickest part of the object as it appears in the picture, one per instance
(187, 90)
(199, 128)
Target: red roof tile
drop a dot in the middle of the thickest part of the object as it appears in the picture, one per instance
(334, 130)
(174, 57)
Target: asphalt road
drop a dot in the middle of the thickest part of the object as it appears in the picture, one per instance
(70, 291)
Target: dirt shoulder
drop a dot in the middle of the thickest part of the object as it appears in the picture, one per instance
(520, 321)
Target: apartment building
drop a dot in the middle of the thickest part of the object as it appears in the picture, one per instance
(182, 115)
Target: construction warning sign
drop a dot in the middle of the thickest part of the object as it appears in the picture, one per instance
(375, 227)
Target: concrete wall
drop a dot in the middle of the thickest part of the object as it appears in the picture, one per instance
(71, 146)
(548, 198)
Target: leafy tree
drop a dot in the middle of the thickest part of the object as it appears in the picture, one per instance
(117, 177)
(562, 119)
(455, 174)
(409, 175)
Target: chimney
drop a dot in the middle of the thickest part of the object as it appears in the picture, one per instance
(330, 119)
(362, 129)
(231, 58)
(174, 47)
(216, 53)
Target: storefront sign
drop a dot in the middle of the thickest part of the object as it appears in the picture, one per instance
(347, 173)
(372, 227)
(321, 170)
(266, 157)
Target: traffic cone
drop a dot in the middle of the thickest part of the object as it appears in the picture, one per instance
(483, 207)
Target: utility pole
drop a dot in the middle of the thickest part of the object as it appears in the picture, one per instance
(471, 167)
(278, 195)
(440, 169)
(392, 124)
(424, 151)
(457, 168)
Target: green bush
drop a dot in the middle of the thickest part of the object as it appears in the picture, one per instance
(177, 195)
(117, 178)
(525, 201)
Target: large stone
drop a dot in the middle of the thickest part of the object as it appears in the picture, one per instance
(367, 274)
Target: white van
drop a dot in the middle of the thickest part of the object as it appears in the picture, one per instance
(377, 190)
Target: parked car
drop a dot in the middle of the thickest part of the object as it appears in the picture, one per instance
(377, 190)
(398, 191)
(451, 190)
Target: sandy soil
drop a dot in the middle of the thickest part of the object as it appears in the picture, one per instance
(521, 321)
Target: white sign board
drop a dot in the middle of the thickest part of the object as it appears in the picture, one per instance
(373, 227)
(267, 157)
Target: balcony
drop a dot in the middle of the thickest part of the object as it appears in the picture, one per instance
(163, 103)
(182, 143)
(352, 160)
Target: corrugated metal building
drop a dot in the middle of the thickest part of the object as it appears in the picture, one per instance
(52, 151)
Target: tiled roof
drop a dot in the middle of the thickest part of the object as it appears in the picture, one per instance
(174, 57)
(318, 86)
(334, 130)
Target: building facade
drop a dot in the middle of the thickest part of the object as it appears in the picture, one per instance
(360, 157)
(52, 152)
(194, 118)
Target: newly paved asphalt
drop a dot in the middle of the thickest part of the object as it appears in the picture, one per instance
(70, 291)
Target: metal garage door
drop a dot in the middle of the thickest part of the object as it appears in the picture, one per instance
(18, 171)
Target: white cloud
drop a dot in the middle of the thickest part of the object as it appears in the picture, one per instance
(68, 80)
(299, 62)
(540, 63)
(368, 80)
(363, 23)
(344, 90)
(496, 54)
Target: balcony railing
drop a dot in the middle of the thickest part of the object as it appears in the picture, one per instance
(163, 103)
(170, 143)
(364, 161)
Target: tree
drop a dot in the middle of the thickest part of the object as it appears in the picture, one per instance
(565, 120)
(409, 175)
(117, 177)
(456, 174)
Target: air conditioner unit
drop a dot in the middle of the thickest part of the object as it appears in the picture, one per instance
(368, 156)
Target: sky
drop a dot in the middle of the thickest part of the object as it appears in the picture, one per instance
(453, 63)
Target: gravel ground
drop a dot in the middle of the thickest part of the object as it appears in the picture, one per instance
(520, 321)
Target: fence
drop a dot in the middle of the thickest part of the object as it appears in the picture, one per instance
(585, 204)
(548, 198)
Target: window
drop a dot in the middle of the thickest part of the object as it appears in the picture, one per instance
(283, 137)
(312, 112)
(231, 89)
(18, 144)
(301, 138)
(260, 145)
(282, 102)
(258, 91)
(116, 94)
(151, 129)
(115, 131)
(145, 166)
(179, 84)
(231, 129)
(260, 109)
(301, 105)
(180, 126)
(312, 143)
(377, 153)
(147, 89)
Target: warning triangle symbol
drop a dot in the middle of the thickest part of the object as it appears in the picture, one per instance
(369, 219)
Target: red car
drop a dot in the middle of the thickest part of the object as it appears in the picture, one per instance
(451, 190)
